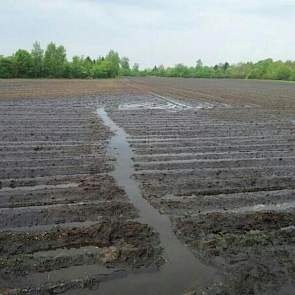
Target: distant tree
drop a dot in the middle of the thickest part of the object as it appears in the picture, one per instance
(77, 68)
(135, 69)
(225, 66)
(37, 55)
(124, 66)
(23, 64)
(181, 70)
(7, 67)
(103, 69)
(89, 60)
(161, 70)
(88, 65)
(199, 64)
(281, 71)
(55, 61)
(239, 71)
(154, 70)
(113, 63)
(260, 69)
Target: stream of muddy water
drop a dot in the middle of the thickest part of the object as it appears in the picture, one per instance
(182, 271)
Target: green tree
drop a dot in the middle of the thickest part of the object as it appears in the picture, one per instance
(77, 68)
(135, 69)
(225, 66)
(113, 61)
(7, 67)
(23, 64)
(37, 54)
(55, 61)
(281, 71)
(260, 69)
(103, 69)
(240, 71)
(199, 64)
(124, 66)
(88, 65)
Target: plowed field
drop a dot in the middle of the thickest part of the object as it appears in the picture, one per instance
(147, 186)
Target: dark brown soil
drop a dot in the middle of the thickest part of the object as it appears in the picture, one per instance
(64, 222)
(216, 156)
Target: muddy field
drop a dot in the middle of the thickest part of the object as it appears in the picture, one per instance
(167, 186)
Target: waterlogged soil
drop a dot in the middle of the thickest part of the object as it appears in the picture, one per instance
(224, 174)
(256, 248)
(65, 224)
(213, 161)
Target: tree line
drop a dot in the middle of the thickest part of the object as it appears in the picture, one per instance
(264, 69)
(53, 63)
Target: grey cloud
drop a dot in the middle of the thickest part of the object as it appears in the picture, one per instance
(155, 31)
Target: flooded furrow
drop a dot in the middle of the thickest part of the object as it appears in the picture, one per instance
(182, 270)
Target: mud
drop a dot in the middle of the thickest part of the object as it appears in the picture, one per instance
(181, 269)
(224, 175)
(197, 199)
(65, 224)
(256, 249)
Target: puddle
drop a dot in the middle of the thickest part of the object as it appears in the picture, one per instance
(256, 208)
(151, 106)
(163, 103)
(196, 104)
(266, 207)
(182, 271)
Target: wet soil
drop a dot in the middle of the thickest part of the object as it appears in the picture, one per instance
(224, 175)
(186, 188)
(65, 224)
(182, 270)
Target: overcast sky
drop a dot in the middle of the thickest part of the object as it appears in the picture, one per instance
(154, 31)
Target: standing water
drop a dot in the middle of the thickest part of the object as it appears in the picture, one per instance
(182, 270)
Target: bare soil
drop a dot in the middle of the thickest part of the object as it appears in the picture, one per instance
(215, 156)
(64, 222)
